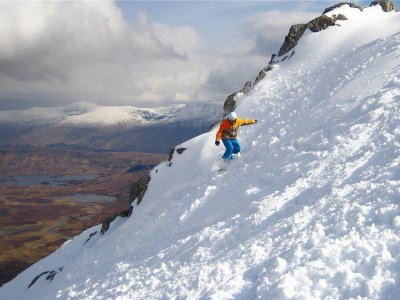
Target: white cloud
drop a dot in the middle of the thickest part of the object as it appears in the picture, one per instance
(87, 51)
(56, 52)
(269, 28)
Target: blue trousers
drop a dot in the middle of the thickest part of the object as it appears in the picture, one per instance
(232, 147)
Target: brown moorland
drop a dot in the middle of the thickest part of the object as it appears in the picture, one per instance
(37, 219)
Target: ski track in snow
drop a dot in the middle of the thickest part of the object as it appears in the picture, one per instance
(309, 211)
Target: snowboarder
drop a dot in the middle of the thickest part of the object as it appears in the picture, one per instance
(228, 132)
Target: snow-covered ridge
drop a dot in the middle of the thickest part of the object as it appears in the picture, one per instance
(88, 114)
(310, 210)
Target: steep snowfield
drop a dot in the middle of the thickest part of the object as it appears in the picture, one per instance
(309, 211)
(88, 114)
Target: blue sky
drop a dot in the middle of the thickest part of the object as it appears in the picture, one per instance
(140, 53)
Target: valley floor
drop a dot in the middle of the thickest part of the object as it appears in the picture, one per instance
(37, 217)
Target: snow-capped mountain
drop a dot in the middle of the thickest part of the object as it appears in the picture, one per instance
(310, 210)
(89, 126)
(85, 114)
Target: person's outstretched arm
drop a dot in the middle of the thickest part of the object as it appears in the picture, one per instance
(242, 122)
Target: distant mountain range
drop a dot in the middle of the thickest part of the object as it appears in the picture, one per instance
(89, 126)
(88, 114)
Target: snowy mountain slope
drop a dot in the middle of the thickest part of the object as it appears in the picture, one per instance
(43, 115)
(87, 115)
(309, 211)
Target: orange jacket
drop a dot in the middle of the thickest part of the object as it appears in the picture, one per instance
(228, 130)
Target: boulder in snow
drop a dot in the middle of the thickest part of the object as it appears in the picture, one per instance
(320, 23)
(385, 4)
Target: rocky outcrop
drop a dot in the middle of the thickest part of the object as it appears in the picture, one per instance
(385, 4)
(171, 154)
(172, 150)
(50, 275)
(247, 87)
(320, 23)
(294, 35)
(263, 73)
(339, 17)
(139, 188)
(230, 102)
(292, 38)
(329, 9)
(107, 222)
(315, 25)
(297, 31)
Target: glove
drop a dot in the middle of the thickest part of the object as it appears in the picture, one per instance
(217, 143)
(255, 121)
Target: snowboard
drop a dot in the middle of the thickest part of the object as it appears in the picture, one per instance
(222, 166)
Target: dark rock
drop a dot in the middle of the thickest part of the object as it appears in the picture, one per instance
(90, 236)
(138, 189)
(36, 278)
(294, 35)
(50, 276)
(171, 153)
(320, 23)
(339, 17)
(297, 31)
(385, 4)
(247, 87)
(291, 40)
(271, 61)
(262, 74)
(127, 213)
(339, 5)
(180, 150)
(107, 222)
(230, 102)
